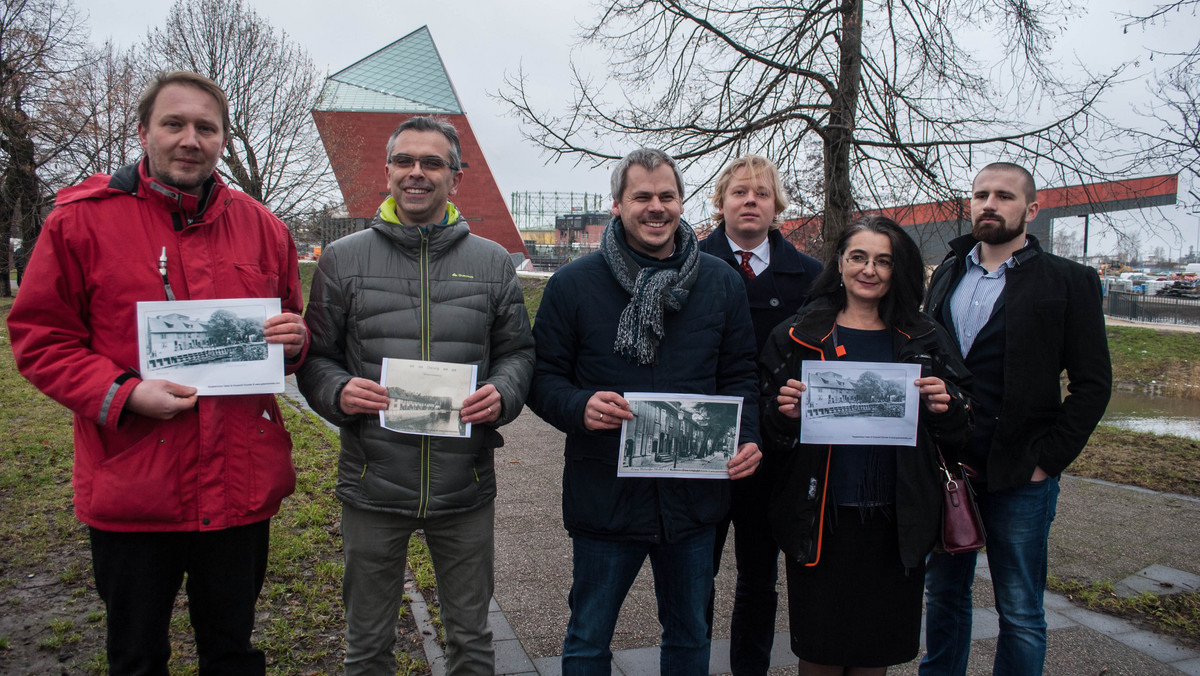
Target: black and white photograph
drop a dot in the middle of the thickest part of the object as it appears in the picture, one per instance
(216, 346)
(857, 402)
(679, 435)
(425, 397)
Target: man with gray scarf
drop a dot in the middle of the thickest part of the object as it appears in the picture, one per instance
(646, 313)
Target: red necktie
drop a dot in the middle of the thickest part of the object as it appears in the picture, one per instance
(749, 271)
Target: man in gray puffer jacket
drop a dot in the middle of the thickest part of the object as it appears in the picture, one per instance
(417, 285)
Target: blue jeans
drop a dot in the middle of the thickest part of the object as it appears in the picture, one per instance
(1018, 529)
(604, 571)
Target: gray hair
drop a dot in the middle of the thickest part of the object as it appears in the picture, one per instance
(647, 158)
(426, 123)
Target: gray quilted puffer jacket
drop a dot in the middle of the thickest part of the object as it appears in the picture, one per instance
(394, 291)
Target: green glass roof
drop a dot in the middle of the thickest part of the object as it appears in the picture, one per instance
(406, 76)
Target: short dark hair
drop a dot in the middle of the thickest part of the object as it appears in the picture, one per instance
(902, 303)
(427, 123)
(647, 158)
(187, 78)
(1027, 178)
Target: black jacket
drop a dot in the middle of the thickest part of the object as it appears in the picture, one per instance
(708, 349)
(777, 294)
(1053, 322)
(798, 497)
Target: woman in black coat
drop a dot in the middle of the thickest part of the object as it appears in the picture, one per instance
(856, 521)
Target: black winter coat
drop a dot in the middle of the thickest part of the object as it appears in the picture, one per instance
(708, 349)
(1054, 321)
(778, 293)
(798, 502)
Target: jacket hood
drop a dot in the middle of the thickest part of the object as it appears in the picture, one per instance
(135, 180)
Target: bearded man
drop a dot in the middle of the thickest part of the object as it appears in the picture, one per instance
(1021, 316)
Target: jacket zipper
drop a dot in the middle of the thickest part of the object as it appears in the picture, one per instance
(828, 461)
(423, 262)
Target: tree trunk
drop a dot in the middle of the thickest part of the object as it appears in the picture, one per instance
(839, 133)
(20, 205)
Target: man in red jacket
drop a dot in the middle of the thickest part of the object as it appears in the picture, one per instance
(167, 481)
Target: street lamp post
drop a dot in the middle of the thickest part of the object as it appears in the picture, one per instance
(1085, 218)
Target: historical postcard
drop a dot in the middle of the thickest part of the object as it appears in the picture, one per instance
(425, 397)
(216, 346)
(859, 402)
(679, 435)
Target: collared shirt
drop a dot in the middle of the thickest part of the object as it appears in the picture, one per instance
(972, 303)
(762, 254)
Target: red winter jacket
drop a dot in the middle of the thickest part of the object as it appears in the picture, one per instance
(227, 462)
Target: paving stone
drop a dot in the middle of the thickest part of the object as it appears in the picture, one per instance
(1158, 647)
(1055, 620)
(548, 666)
(1158, 579)
(637, 661)
(985, 623)
(718, 657)
(511, 657)
(1057, 602)
(1189, 667)
(1105, 624)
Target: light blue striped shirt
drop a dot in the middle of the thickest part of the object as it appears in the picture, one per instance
(972, 303)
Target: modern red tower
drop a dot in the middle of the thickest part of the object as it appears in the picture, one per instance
(362, 104)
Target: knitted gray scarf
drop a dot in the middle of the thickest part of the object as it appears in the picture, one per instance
(654, 287)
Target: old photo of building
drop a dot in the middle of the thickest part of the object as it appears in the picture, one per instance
(679, 435)
(425, 397)
(216, 346)
(848, 402)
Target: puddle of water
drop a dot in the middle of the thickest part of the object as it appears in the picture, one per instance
(1159, 415)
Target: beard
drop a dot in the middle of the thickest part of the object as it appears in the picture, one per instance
(993, 232)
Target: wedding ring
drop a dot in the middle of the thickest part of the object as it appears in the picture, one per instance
(601, 417)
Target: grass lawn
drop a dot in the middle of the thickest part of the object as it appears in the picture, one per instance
(52, 620)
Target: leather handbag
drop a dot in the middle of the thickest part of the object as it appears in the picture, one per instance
(962, 527)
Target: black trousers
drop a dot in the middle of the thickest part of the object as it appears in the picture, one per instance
(138, 576)
(752, 628)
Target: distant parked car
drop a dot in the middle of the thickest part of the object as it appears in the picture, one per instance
(1181, 289)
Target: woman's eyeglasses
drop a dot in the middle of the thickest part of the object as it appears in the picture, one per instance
(857, 260)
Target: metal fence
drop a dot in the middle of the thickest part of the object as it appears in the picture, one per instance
(1139, 307)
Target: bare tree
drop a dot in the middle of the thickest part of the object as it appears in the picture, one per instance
(39, 48)
(274, 153)
(901, 108)
(109, 86)
(1129, 247)
(1068, 244)
(1172, 139)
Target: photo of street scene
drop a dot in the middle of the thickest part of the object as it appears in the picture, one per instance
(425, 397)
(859, 403)
(214, 345)
(679, 435)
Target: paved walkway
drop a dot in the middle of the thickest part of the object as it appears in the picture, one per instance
(1104, 531)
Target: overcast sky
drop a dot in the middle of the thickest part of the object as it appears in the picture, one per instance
(482, 40)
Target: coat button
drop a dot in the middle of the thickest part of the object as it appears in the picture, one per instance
(774, 302)
(204, 521)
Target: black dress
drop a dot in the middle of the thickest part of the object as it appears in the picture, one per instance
(858, 606)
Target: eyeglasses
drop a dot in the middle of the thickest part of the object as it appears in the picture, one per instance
(428, 163)
(860, 261)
